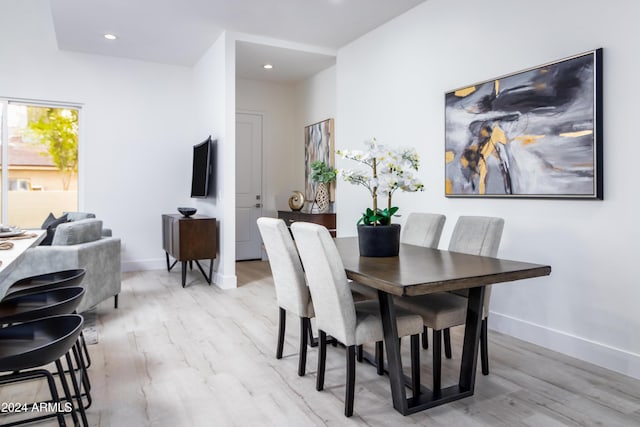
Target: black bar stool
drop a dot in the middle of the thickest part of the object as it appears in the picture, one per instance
(27, 347)
(28, 307)
(53, 280)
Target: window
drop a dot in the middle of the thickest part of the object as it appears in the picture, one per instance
(39, 161)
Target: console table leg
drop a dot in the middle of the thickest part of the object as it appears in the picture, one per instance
(184, 273)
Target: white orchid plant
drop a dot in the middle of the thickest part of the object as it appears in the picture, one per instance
(389, 170)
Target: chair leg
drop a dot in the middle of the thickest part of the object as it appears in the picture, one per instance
(281, 327)
(86, 384)
(484, 347)
(305, 324)
(415, 364)
(77, 391)
(447, 343)
(312, 340)
(437, 356)
(380, 357)
(351, 380)
(115, 301)
(67, 392)
(425, 337)
(322, 356)
(359, 353)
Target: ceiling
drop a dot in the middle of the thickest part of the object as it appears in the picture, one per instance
(299, 37)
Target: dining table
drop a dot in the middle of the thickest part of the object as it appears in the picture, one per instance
(12, 248)
(418, 271)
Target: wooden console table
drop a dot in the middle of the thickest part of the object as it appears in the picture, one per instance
(327, 219)
(189, 239)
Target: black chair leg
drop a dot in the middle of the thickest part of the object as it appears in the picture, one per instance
(484, 347)
(425, 337)
(351, 380)
(115, 301)
(322, 356)
(302, 363)
(415, 364)
(437, 360)
(67, 392)
(447, 343)
(281, 327)
(360, 353)
(380, 357)
(312, 341)
(77, 391)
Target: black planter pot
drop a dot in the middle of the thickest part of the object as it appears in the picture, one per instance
(379, 240)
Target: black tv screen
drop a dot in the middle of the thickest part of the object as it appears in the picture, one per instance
(202, 169)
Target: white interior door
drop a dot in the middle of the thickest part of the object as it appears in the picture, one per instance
(248, 185)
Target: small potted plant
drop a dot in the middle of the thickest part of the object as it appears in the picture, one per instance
(389, 170)
(323, 175)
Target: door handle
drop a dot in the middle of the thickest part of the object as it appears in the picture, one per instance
(258, 205)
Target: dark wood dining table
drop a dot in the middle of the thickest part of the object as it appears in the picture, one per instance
(418, 271)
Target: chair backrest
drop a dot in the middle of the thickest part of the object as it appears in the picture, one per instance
(478, 235)
(423, 229)
(292, 292)
(330, 290)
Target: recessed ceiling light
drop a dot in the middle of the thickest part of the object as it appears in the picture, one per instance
(110, 36)
(267, 66)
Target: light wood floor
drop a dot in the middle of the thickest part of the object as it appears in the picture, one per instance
(201, 356)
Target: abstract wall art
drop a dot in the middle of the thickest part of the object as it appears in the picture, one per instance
(536, 133)
(319, 146)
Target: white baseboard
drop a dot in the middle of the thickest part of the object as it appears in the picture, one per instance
(151, 264)
(225, 281)
(612, 358)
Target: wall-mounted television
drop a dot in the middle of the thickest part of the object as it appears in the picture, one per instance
(202, 172)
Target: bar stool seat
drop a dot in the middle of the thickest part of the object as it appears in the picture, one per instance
(21, 308)
(56, 279)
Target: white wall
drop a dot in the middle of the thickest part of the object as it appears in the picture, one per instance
(316, 100)
(214, 108)
(281, 167)
(136, 129)
(391, 84)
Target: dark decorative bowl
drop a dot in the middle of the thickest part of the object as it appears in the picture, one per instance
(187, 212)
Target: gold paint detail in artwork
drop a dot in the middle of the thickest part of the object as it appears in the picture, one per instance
(449, 156)
(528, 139)
(497, 136)
(576, 134)
(448, 186)
(461, 93)
(497, 86)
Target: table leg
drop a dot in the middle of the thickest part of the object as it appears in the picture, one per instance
(423, 398)
(392, 345)
(471, 339)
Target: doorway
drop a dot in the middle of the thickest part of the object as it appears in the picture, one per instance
(248, 185)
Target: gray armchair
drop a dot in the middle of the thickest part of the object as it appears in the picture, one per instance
(78, 244)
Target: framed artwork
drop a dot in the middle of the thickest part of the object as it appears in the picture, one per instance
(319, 146)
(536, 133)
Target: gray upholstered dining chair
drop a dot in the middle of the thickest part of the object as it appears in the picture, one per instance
(420, 229)
(423, 229)
(292, 292)
(352, 324)
(476, 235)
